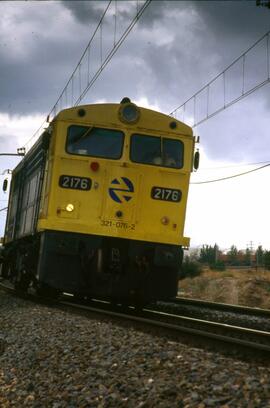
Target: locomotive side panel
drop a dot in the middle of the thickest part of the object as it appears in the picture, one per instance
(13, 208)
(25, 195)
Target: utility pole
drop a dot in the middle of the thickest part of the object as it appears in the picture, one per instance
(216, 253)
(20, 152)
(250, 247)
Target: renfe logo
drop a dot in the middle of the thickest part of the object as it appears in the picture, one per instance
(121, 190)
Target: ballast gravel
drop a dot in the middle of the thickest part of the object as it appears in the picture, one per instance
(223, 316)
(52, 358)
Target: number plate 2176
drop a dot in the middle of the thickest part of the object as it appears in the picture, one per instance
(166, 194)
(75, 182)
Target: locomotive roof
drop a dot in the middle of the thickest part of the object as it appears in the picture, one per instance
(109, 113)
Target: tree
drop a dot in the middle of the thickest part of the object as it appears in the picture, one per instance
(190, 268)
(247, 258)
(263, 3)
(208, 254)
(259, 256)
(266, 259)
(233, 255)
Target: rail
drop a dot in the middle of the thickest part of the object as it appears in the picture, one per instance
(235, 337)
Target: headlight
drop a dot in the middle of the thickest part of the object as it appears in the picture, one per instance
(129, 113)
(69, 207)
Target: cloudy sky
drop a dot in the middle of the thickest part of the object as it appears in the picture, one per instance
(174, 50)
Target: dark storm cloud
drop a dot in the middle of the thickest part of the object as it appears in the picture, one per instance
(158, 10)
(207, 37)
(220, 33)
(43, 63)
(233, 19)
(176, 48)
(31, 86)
(86, 12)
(233, 25)
(37, 62)
(91, 12)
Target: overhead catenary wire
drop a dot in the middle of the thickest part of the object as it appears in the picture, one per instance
(113, 51)
(205, 91)
(104, 60)
(70, 80)
(234, 165)
(230, 177)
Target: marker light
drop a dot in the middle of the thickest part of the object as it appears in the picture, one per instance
(94, 166)
(81, 112)
(129, 113)
(165, 220)
(173, 125)
(70, 207)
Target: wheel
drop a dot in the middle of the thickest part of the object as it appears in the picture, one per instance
(46, 291)
(21, 281)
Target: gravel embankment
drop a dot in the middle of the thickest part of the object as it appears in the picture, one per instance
(50, 358)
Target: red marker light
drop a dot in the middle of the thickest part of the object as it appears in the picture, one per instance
(94, 166)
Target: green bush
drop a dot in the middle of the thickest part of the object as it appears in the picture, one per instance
(267, 260)
(190, 269)
(218, 266)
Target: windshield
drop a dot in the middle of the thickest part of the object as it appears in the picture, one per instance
(93, 141)
(157, 151)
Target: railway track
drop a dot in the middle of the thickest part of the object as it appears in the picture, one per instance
(250, 311)
(237, 336)
(253, 318)
(231, 337)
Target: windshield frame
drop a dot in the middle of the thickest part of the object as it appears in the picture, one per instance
(162, 138)
(88, 129)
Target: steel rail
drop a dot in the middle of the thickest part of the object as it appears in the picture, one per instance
(6, 288)
(181, 324)
(247, 310)
(264, 337)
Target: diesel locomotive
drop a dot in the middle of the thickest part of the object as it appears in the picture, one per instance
(97, 206)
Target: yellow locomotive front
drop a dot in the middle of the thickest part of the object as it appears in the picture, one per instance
(113, 201)
(119, 171)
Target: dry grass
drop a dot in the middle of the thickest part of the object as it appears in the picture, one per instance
(240, 274)
(249, 287)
